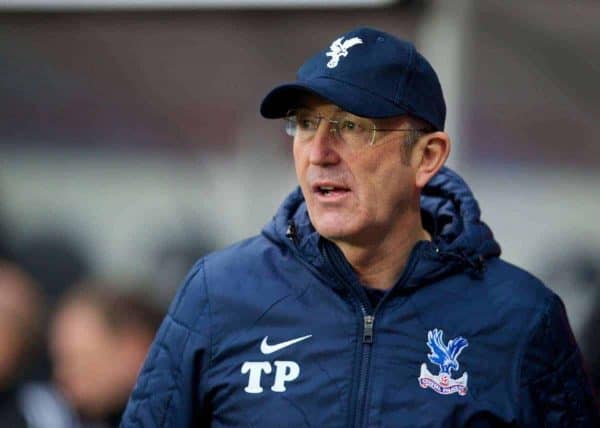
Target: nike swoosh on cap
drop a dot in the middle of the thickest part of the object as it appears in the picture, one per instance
(265, 348)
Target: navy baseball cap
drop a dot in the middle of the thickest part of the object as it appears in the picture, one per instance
(368, 73)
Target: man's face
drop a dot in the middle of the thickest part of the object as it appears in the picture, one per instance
(88, 361)
(357, 196)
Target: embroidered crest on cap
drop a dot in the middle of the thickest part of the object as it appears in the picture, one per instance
(446, 358)
(339, 48)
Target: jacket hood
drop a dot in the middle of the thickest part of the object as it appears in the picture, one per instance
(460, 240)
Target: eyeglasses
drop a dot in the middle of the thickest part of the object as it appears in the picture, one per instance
(355, 131)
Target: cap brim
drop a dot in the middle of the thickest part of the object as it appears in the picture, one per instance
(350, 98)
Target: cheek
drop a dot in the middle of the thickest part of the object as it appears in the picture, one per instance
(368, 178)
(384, 185)
(299, 161)
(301, 165)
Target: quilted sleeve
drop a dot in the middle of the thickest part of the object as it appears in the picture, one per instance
(170, 388)
(555, 390)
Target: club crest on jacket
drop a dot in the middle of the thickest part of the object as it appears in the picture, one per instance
(446, 358)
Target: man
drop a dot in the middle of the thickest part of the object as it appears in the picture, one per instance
(376, 296)
(98, 339)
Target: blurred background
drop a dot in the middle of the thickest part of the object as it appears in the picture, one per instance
(131, 145)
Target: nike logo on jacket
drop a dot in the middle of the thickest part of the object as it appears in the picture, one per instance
(265, 348)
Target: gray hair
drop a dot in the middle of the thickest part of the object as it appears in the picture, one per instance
(418, 129)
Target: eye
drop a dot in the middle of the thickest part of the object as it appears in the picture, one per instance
(351, 126)
(306, 122)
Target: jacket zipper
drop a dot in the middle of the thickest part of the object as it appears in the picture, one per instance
(367, 319)
(358, 397)
(361, 392)
(358, 402)
(359, 389)
(363, 352)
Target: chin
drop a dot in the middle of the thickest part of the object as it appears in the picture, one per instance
(336, 230)
(339, 224)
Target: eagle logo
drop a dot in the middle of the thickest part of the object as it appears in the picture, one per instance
(446, 358)
(339, 48)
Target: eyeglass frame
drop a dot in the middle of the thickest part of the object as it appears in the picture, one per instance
(335, 129)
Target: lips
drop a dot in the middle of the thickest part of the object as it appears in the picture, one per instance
(329, 189)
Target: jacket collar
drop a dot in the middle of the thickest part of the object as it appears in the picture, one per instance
(461, 241)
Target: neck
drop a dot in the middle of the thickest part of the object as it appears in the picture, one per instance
(379, 264)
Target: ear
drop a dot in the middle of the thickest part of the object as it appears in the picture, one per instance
(433, 151)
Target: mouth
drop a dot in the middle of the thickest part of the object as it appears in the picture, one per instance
(329, 190)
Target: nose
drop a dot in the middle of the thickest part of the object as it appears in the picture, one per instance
(323, 148)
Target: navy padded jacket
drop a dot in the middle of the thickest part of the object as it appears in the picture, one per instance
(277, 331)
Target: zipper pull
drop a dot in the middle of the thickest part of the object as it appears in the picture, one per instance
(290, 232)
(368, 329)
